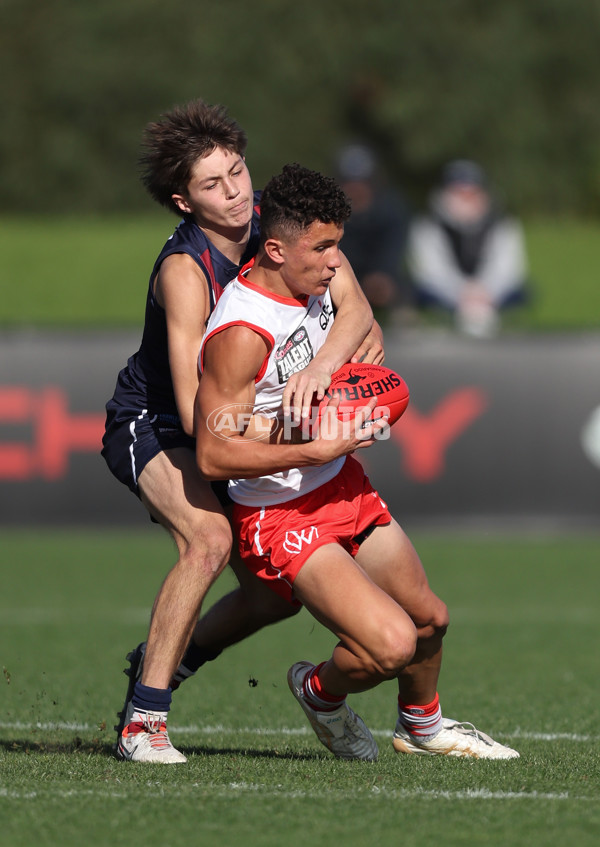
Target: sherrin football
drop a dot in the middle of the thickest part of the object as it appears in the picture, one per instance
(357, 383)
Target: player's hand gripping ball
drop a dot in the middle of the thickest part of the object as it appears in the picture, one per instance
(357, 383)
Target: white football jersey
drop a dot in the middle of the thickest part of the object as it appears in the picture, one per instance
(294, 330)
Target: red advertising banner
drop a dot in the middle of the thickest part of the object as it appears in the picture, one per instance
(503, 431)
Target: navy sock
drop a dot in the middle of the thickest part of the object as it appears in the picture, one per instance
(195, 656)
(151, 699)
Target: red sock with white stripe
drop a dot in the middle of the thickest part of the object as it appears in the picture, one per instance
(315, 695)
(423, 721)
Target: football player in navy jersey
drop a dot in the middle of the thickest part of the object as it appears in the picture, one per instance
(193, 164)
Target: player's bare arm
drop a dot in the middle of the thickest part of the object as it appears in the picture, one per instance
(371, 350)
(232, 358)
(352, 326)
(182, 291)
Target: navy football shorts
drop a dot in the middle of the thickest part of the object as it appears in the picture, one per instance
(129, 443)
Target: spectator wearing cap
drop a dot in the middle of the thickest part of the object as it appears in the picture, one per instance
(375, 235)
(465, 255)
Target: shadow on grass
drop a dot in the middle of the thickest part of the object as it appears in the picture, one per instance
(99, 747)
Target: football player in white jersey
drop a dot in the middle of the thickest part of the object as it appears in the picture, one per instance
(308, 521)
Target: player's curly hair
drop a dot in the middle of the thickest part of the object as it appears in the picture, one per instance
(172, 145)
(295, 198)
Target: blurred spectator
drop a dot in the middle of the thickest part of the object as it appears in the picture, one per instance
(466, 255)
(375, 236)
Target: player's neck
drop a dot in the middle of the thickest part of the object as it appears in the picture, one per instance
(230, 242)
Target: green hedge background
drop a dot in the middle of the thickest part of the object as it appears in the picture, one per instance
(515, 85)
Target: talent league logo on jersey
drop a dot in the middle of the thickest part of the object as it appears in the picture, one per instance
(294, 541)
(294, 355)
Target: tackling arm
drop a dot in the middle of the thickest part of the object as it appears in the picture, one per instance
(352, 333)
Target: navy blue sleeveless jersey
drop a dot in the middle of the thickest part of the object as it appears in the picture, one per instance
(144, 386)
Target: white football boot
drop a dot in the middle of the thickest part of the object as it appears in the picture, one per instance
(134, 673)
(145, 739)
(342, 731)
(454, 739)
(132, 749)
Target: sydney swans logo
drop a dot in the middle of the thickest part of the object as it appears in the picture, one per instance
(294, 541)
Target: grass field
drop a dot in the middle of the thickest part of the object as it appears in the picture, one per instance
(521, 661)
(87, 271)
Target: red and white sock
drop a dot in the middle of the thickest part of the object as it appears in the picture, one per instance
(316, 696)
(423, 721)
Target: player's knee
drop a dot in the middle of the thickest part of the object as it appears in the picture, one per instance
(435, 622)
(395, 650)
(211, 550)
(218, 552)
(440, 618)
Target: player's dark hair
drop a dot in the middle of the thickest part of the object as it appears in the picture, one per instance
(172, 145)
(296, 198)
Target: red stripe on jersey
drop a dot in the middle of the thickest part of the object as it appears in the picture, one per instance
(217, 289)
(300, 301)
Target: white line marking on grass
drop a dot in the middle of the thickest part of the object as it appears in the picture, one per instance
(219, 729)
(408, 793)
(49, 725)
(277, 791)
(549, 736)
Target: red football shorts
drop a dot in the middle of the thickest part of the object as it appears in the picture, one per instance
(275, 541)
